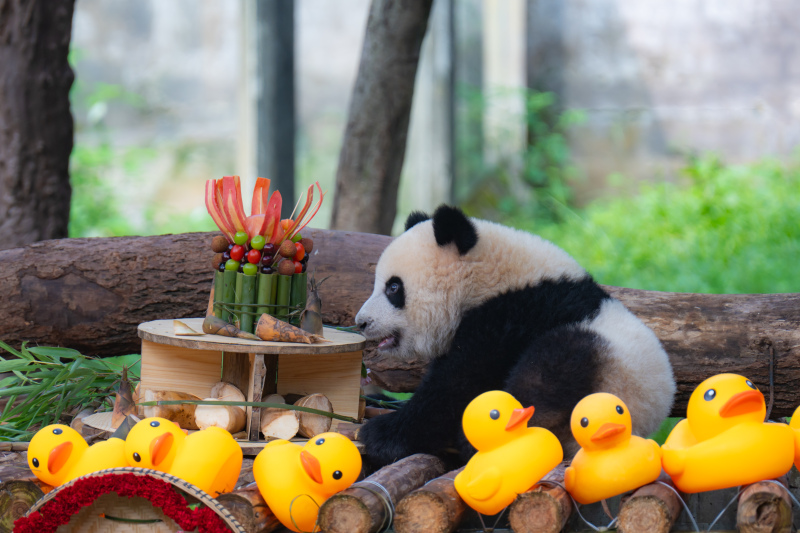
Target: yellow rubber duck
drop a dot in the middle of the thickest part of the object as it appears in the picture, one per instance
(296, 480)
(511, 456)
(58, 454)
(210, 458)
(795, 425)
(724, 442)
(611, 460)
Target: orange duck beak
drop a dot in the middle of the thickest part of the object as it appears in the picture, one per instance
(58, 457)
(518, 417)
(742, 403)
(311, 466)
(160, 447)
(607, 431)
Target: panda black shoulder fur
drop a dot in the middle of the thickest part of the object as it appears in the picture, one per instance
(496, 308)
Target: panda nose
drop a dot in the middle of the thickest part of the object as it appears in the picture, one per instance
(364, 324)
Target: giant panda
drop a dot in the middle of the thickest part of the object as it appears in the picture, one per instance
(491, 307)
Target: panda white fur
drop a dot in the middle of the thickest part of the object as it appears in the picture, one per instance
(496, 308)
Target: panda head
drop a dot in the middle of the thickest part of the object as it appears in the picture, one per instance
(442, 266)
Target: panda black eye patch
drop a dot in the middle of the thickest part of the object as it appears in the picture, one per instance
(395, 292)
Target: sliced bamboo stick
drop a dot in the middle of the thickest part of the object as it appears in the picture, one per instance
(653, 507)
(366, 506)
(249, 508)
(435, 507)
(545, 508)
(764, 507)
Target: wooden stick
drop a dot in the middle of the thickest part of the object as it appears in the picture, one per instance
(435, 507)
(249, 508)
(16, 499)
(764, 507)
(366, 507)
(653, 507)
(545, 508)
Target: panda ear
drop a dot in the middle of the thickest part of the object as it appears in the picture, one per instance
(415, 218)
(451, 225)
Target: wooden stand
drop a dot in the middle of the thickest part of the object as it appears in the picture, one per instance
(194, 364)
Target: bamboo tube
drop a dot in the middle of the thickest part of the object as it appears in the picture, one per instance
(237, 319)
(764, 507)
(247, 298)
(297, 300)
(435, 507)
(545, 508)
(653, 507)
(365, 506)
(249, 508)
(218, 281)
(282, 298)
(267, 289)
(228, 294)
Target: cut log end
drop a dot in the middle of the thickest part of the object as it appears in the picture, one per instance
(279, 423)
(345, 514)
(250, 510)
(311, 425)
(16, 499)
(541, 510)
(646, 513)
(764, 507)
(422, 512)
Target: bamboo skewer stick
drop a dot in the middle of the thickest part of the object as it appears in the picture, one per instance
(435, 507)
(545, 508)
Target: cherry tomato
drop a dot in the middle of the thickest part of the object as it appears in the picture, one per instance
(253, 256)
(237, 252)
(301, 252)
(298, 267)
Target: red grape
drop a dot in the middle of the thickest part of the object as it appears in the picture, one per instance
(254, 256)
(301, 252)
(237, 252)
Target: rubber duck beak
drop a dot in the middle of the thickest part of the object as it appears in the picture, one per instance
(160, 447)
(519, 416)
(311, 466)
(742, 403)
(607, 431)
(58, 457)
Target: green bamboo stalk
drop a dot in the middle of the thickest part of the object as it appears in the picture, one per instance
(248, 297)
(228, 294)
(237, 320)
(218, 282)
(267, 291)
(297, 301)
(282, 300)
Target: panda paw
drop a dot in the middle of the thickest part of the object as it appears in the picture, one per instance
(383, 441)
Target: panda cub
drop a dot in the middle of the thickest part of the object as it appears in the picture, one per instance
(491, 307)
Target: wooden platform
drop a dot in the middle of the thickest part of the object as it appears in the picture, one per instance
(195, 364)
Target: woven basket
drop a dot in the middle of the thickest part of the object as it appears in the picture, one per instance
(105, 512)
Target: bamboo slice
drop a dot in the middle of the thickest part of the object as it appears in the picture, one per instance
(218, 291)
(435, 507)
(653, 507)
(297, 300)
(183, 414)
(277, 423)
(545, 508)
(228, 294)
(364, 508)
(248, 297)
(282, 298)
(267, 290)
(227, 417)
(237, 318)
(312, 425)
(764, 507)
(249, 508)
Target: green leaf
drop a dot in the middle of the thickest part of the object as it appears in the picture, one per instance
(14, 364)
(56, 352)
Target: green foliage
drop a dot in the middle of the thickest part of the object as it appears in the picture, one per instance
(730, 229)
(46, 382)
(661, 434)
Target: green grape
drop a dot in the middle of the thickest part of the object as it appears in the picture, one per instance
(257, 242)
(232, 264)
(250, 269)
(240, 238)
(297, 238)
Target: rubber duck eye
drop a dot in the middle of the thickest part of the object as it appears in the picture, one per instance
(35, 462)
(137, 457)
(584, 422)
(319, 442)
(494, 414)
(155, 423)
(58, 431)
(750, 384)
(337, 474)
(710, 395)
(620, 410)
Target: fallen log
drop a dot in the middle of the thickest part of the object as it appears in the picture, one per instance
(653, 507)
(249, 508)
(545, 508)
(764, 506)
(91, 294)
(366, 507)
(435, 507)
(16, 499)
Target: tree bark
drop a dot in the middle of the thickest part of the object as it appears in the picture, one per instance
(35, 120)
(375, 138)
(91, 294)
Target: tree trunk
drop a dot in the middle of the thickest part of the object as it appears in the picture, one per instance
(35, 120)
(375, 138)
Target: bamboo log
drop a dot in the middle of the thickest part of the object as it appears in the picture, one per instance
(249, 508)
(545, 508)
(764, 507)
(366, 506)
(435, 507)
(653, 507)
(16, 499)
